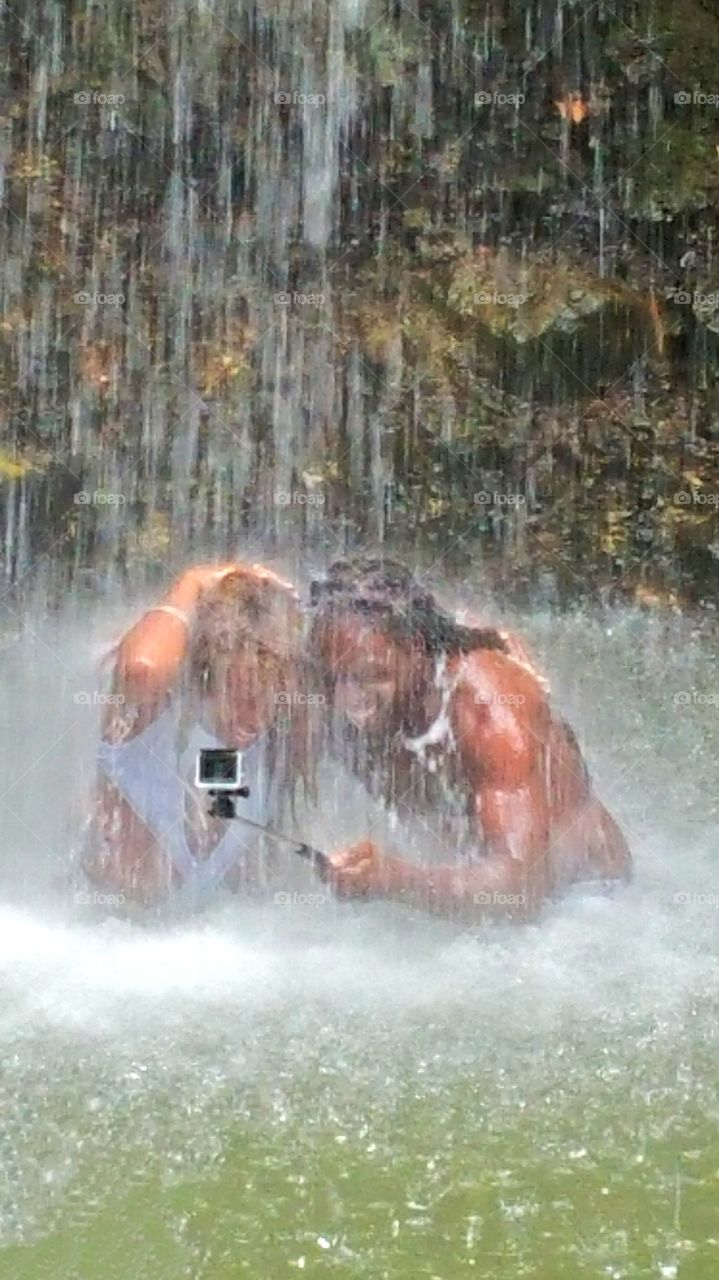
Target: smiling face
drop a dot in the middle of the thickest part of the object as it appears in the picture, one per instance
(377, 681)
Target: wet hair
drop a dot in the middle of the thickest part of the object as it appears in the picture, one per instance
(258, 617)
(389, 596)
(386, 590)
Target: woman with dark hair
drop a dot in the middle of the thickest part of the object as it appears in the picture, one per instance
(215, 664)
(450, 722)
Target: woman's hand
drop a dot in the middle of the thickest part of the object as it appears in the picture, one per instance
(359, 871)
(202, 578)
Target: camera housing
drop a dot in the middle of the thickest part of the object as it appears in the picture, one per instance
(219, 769)
(220, 772)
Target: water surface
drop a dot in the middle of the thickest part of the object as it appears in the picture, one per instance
(362, 1091)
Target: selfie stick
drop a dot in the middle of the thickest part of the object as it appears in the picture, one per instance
(319, 860)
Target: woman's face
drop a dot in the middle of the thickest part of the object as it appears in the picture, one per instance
(243, 699)
(374, 677)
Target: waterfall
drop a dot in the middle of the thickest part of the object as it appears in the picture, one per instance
(243, 243)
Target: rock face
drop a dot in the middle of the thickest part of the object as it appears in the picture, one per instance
(456, 265)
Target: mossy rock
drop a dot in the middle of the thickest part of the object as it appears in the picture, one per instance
(691, 32)
(680, 174)
(391, 52)
(523, 299)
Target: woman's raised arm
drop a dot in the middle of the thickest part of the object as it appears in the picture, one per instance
(151, 653)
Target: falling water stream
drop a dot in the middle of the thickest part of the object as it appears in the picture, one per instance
(237, 320)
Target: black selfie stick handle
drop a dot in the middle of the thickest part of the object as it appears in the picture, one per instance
(319, 860)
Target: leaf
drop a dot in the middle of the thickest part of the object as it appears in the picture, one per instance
(573, 107)
(16, 468)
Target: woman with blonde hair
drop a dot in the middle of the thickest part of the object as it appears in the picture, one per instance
(217, 663)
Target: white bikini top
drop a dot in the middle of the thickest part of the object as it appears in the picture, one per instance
(153, 773)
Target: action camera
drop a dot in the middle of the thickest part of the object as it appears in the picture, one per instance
(220, 771)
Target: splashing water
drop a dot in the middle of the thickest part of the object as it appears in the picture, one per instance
(481, 1081)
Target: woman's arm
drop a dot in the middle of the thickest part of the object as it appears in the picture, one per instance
(151, 654)
(510, 881)
(500, 720)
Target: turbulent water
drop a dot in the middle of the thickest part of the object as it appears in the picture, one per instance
(358, 1090)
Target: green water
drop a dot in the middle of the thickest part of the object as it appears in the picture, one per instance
(359, 1092)
(495, 1109)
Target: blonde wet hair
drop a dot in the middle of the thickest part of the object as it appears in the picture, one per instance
(249, 609)
(253, 612)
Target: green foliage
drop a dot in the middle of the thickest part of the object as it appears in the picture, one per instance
(679, 174)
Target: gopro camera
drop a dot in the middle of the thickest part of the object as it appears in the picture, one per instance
(218, 769)
(220, 772)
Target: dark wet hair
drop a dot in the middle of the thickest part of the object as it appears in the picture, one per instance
(388, 591)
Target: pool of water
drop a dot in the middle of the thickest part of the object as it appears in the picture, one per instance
(361, 1091)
